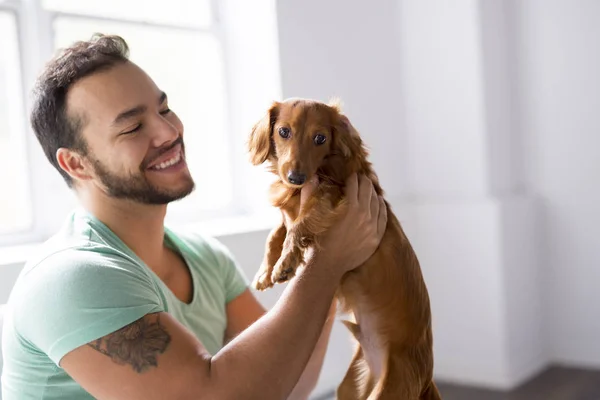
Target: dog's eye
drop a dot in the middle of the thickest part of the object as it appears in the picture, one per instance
(284, 132)
(319, 139)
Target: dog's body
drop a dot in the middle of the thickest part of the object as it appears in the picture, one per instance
(386, 295)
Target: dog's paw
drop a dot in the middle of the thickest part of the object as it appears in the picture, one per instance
(262, 280)
(285, 268)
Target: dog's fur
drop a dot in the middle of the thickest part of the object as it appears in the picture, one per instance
(386, 295)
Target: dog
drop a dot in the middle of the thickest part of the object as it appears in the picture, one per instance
(387, 296)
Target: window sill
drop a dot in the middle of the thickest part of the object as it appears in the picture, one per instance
(219, 227)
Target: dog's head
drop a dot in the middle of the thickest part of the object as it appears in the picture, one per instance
(301, 138)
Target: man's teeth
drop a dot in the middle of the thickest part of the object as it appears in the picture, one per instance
(168, 163)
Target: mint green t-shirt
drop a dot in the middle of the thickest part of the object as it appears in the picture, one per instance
(86, 283)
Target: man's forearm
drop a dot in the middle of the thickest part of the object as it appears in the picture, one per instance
(267, 359)
(311, 373)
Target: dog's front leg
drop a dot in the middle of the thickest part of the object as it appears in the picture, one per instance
(273, 248)
(291, 256)
(303, 234)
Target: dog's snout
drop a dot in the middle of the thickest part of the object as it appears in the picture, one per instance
(296, 177)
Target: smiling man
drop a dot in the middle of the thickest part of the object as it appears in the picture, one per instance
(116, 305)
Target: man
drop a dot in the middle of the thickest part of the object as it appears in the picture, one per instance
(116, 306)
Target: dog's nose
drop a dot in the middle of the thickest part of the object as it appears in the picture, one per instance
(296, 178)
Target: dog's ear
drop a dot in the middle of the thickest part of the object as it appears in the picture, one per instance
(346, 140)
(260, 143)
(336, 104)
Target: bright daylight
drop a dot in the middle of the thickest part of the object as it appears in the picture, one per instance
(299, 200)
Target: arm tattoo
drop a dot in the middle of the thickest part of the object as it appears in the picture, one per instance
(137, 344)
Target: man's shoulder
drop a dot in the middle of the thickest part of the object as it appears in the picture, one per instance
(72, 262)
(74, 252)
(77, 242)
(78, 271)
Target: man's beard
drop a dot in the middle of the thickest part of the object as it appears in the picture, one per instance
(136, 187)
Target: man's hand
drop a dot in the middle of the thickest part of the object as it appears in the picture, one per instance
(356, 234)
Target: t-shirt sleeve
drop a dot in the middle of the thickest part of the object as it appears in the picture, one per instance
(75, 297)
(234, 280)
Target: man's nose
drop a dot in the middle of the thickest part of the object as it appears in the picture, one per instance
(164, 132)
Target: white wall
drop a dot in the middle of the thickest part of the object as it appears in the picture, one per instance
(558, 60)
(522, 76)
(464, 165)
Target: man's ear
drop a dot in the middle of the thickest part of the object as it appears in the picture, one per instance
(259, 143)
(74, 164)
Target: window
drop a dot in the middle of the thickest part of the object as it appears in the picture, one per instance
(15, 210)
(177, 13)
(181, 48)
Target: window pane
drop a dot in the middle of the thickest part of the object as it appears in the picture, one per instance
(192, 13)
(15, 208)
(188, 66)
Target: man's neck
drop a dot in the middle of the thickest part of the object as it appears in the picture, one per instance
(139, 226)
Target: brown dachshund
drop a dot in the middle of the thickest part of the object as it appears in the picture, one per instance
(386, 295)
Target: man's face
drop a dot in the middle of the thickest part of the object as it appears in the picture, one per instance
(134, 141)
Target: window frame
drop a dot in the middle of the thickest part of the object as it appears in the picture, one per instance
(10, 8)
(35, 34)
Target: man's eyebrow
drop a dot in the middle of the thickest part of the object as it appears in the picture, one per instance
(163, 97)
(137, 110)
(127, 114)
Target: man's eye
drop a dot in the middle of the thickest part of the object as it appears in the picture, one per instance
(165, 112)
(137, 128)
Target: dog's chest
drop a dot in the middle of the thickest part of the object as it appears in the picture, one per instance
(291, 212)
(289, 218)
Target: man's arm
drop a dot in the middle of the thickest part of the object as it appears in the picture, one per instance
(157, 358)
(242, 311)
(308, 381)
(245, 309)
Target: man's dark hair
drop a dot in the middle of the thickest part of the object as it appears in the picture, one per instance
(51, 124)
